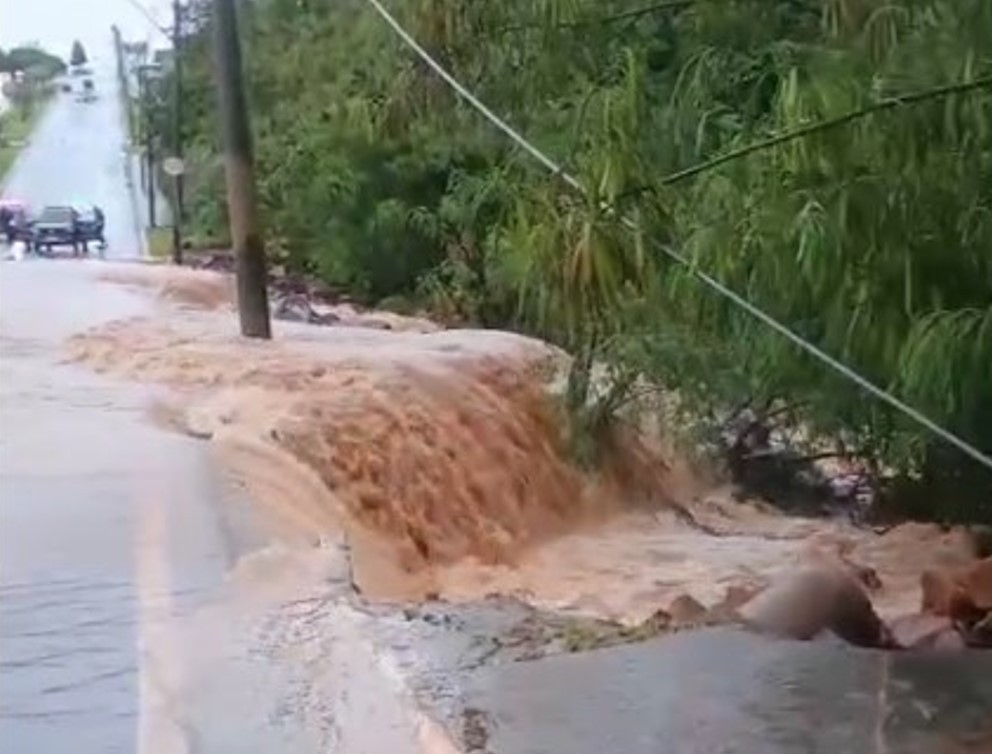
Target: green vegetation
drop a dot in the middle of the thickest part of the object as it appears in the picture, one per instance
(33, 62)
(15, 127)
(30, 70)
(872, 238)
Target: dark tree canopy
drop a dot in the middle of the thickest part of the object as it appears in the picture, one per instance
(31, 60)
(78, 55)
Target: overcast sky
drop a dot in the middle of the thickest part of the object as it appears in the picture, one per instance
(54, 24)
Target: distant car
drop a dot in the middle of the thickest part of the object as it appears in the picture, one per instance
(87, 93)
(56, 226)
(66, 87)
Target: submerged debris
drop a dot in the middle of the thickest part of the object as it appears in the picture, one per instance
(803, 603)
(962, 597)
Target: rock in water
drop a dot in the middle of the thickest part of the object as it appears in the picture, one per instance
(686, 610)
(919, 630)
(978, 584)
(981, 541)
(813, 598)
(980, 635)
(963, 594)
(293, 308)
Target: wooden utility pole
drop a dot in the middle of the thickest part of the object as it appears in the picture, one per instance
(239, 165)
(177, 135)
(145, 96)
(122, 81)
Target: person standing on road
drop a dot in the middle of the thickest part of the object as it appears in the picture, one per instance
(19, 228)
(100, 221)
(6, 224)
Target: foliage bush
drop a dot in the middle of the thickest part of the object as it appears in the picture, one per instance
(32, 61)
(872, 239)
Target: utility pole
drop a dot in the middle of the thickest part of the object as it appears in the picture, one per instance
(177, 125)
(239, 167)
(150, 170)
(141, 103)
(149, 147)
(122, 81)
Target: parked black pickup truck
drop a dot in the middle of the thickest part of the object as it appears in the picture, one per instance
(57, 226)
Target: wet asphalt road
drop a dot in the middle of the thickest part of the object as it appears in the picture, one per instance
(108, 526)
(110, 530)
(76, 155)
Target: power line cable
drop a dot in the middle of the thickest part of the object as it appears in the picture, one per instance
(144, 11)
(675, 256)
(501, 124)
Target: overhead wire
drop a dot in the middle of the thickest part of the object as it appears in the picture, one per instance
(735, 298)
(144, 11)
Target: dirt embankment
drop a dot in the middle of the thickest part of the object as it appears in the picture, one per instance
(440, 452)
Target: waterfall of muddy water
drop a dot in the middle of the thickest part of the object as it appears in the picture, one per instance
(439, 453)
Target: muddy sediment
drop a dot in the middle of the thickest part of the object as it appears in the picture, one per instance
(440, 453)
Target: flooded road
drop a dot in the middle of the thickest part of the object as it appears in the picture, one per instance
(131, 619)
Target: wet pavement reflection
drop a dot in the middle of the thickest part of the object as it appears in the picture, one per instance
(106, 523)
